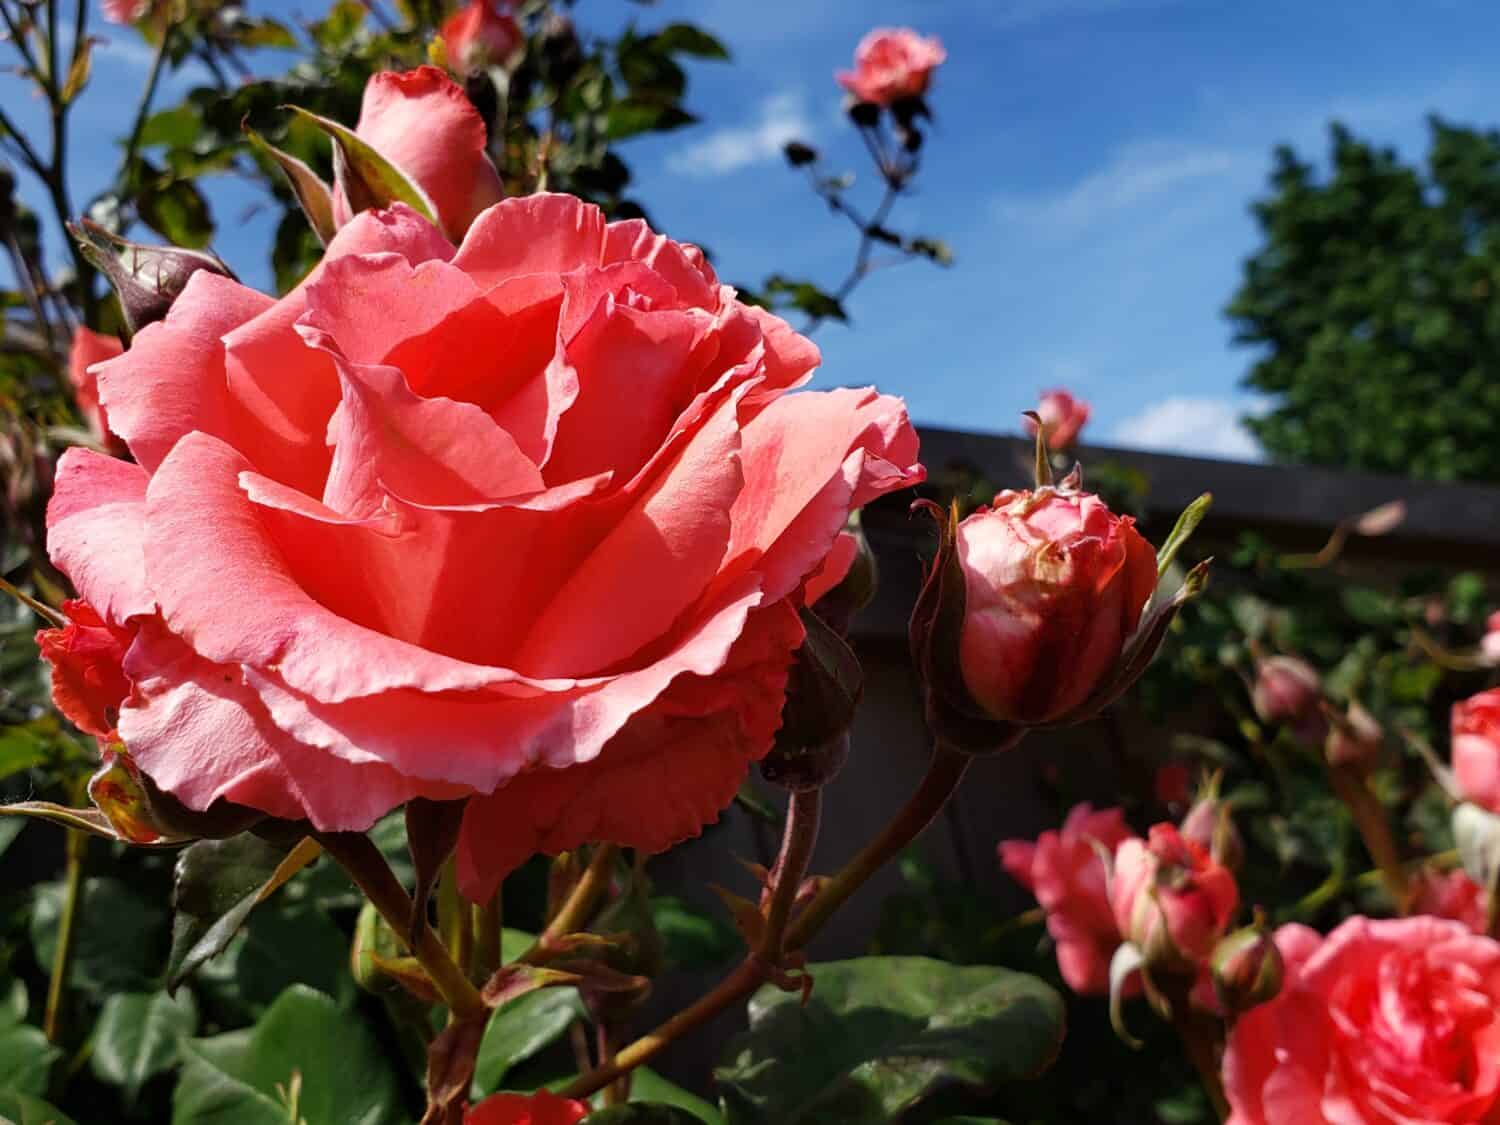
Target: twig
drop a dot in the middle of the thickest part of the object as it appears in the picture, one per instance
(578, 907)
(77, 846)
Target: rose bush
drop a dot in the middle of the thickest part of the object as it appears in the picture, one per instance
(523, 521)
(1066, 873)
(1380, 1022)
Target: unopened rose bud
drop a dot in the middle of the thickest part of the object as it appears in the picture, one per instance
(482, 33)
(147, 279)
(1170, 898)
(1210, 825)
(1032, 614)
(823, 690)
(798, 154)
(1247, 970)
(1354, 738)
(1063, 416)
(1288, 691)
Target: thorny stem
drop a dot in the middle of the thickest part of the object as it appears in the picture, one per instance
(804, 812)
(1200, 1038)
(578, 907)
(364, 864)
(77, 845)
(944, 772)
(1375, 830)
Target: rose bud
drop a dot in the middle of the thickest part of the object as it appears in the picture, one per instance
(1354, 738)
(1288, 691)
(1170, 898)
(1247, 969)
(890, 65)
(823, 690)
(1035, 613)
(1476, 749)
(1210, 825)
(1063, 417)
(147, 279)
(480, 34)
(1489, 644)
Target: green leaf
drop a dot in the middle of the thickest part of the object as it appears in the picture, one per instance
(367, 177)
(267, 33)
(686, 39)
(641, 1113)
(631, 116)
(139, 1035)
(26, 1059)
(22, 1109)
(520, 1029)
(312, 193)
(120, 934)
(78, 72)
(1186, 524)
(177, 211)
(345, 1078)
(217, 884)
(178, 127)
(20, 749)
(693, 940)
(648, 1086)
(881, 1034)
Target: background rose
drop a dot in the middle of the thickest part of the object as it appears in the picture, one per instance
(1054, 585)
(88, 348)
(422, 122)
(1063, 415)
(560, 567)
(1170, 897)
(540, 1108)
(1450, 894)
(891, 64)
(1476, 748)
(481, 33)
(1066, 873)
(1387, 1021)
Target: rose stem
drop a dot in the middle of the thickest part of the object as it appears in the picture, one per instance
(944, 772)
(364, 864)
(487, 933)
(804, 813)
(77, 846)
(1375, 830)
(1200, 1035)
(577, 908)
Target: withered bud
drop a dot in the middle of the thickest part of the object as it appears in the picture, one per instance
(147, 279)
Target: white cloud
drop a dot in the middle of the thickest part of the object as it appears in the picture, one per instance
(1135, 174)
(782, 118)
(1204, 427)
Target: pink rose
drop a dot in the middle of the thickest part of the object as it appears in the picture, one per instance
(891, 64)
(1450, 894)
(1054, 586)
(426, 126)
(125, 11)
(1387, 1022)
(1170, 897)
(540, 1108)
(1063, 415)
(1288, 690)
(1476, 748)
(365, 558)
(1065, 872)
(90, 347)
(482, 33)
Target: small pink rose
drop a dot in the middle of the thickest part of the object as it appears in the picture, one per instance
(1450, 894)
(482, 33)
(892, 64)
(1065, 871)
(1476, 748)
(1170, 897)
(1063, 416)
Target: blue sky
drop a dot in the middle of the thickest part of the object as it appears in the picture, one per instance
(1092, 165)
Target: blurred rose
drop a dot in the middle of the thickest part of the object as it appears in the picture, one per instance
(125, 11)
(1476, 749)
(1210, 825)
(1055, 584)
(90, 347)
(1066, 873)
(365, 560)
(540, 1108)
(1386, 1022)
(1489, 644)
(1288, 691)
(1170, 897)
(1354, 738)
(891, 64)
(1449, 894)
(482, 33)
(426, 126)
(1063, 415)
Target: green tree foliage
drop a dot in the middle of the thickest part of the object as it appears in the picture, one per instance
(1373, 304)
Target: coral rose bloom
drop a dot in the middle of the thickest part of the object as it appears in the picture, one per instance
(526, 520)
(540, 1108)
(1386, 1022)
(1066, 873)
(891, 64)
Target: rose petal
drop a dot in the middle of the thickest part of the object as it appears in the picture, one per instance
(543, 233)
(95, 523)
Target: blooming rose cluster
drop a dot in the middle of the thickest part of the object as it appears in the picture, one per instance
(524, 520)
